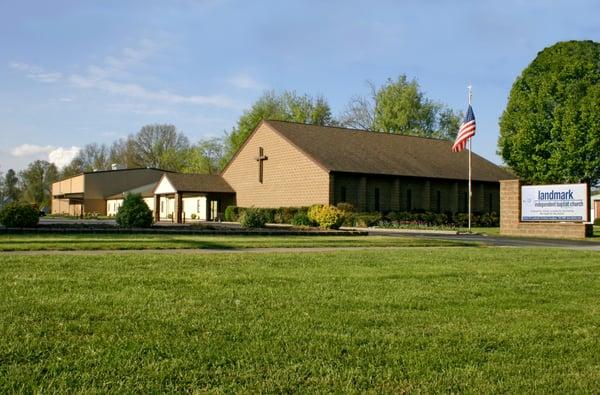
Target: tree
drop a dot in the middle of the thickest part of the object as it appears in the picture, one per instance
(2, 199)
(288, 106)
(205, 157)
(550, 129)
(134, 213)
(158, 146)
(10, 187)
(90, 158)
(37, 182)
(122, 152)
(400, 107)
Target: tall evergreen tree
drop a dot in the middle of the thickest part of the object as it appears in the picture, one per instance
(37, 181)
(10, 186)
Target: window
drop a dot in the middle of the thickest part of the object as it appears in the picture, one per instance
(491, 202)
(162, 206)
(438, 201)
(343, 194)
(377, 199)
(198, 205)
(466, 202)
(409, 199)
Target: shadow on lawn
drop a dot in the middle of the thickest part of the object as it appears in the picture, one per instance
(108, 244)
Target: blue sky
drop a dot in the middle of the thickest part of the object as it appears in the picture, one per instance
(76, 72)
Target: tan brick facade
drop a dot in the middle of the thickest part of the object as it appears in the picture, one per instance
(290, 178)
(87, 192)
(510, 218)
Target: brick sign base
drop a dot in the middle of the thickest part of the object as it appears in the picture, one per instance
(510, 218)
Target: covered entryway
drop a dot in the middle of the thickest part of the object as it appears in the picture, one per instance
(68, 203)
(181, 198)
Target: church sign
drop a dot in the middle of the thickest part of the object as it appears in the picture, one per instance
(565, 202)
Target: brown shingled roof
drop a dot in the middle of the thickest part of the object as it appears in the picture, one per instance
(359, 151)
(198, 183)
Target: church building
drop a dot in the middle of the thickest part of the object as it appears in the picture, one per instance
(291, 164)
(284, 164)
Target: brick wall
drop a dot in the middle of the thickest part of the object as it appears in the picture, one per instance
(510, 218)
(290, 178)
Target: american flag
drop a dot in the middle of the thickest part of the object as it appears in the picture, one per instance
(466, 131)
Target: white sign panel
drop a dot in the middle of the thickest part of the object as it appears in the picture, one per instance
(565, 202)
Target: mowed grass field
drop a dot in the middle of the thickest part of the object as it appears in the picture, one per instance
(71, 242)
(474, 320)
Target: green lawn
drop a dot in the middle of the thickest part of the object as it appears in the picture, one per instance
(475, 320)
(166, 241)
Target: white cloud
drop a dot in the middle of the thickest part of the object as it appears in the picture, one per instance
(58, 155)
(108, 77)
(30, 150)
(36, 72)
(63, 156)
(139, 92)
(131, 56)
(244, 81)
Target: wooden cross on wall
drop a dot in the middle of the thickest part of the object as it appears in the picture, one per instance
(260, 159)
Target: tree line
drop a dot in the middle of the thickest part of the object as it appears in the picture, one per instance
(397, 106)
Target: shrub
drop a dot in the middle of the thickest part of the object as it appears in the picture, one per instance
(392, 216)
(232, 213)
(194, 216)
(461, 219)
(19, 215)
(285, 215)
(301, 219)
(93, 215)
(489, 220)
(364, 220)
(134, 213)
(597, 222)
(252, 218)
(329, 217)
(268, 214)
(345, 207)
(313, 212)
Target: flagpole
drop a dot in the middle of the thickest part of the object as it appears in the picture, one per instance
(470, 193)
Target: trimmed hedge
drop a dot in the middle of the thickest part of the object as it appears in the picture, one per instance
(281, 215)
(301, 219)
(19, 215)
(232, 213)
(286, 215)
